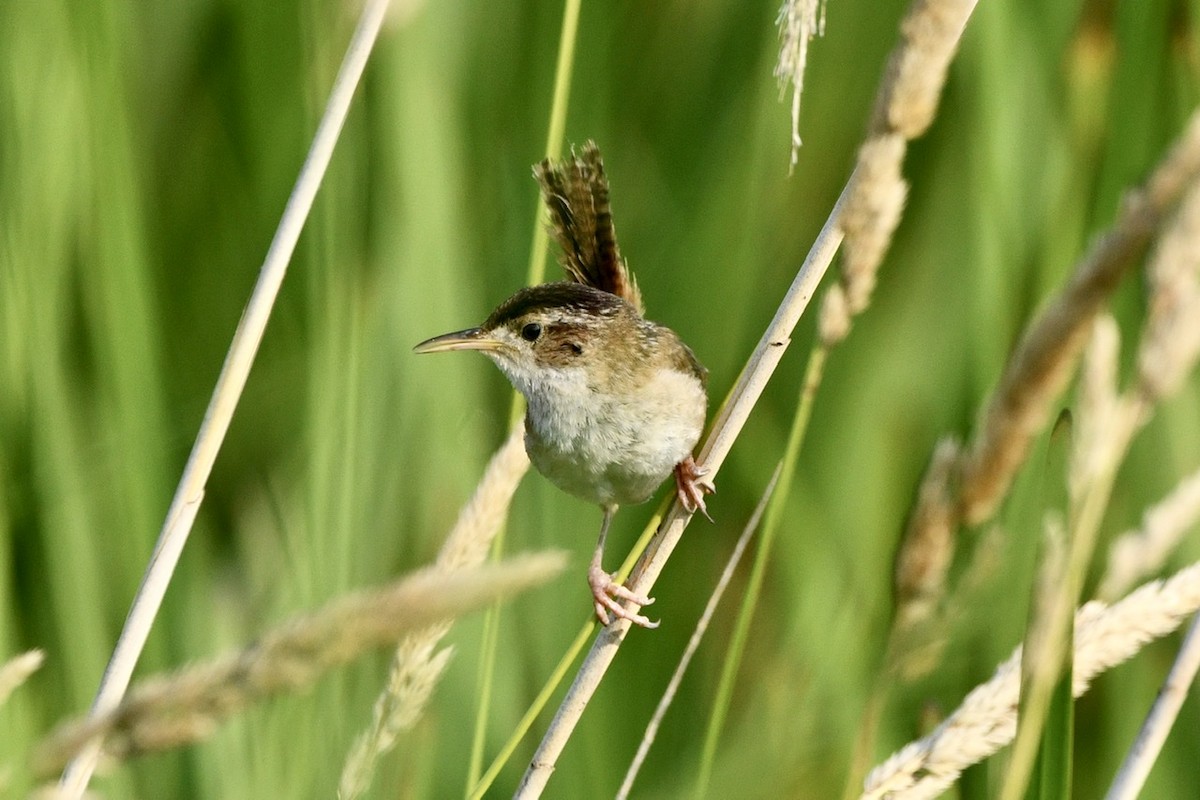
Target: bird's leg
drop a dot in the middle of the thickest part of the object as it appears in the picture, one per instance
(606, 591)
(690, 486)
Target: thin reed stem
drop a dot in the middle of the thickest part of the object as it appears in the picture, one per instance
(1138, 554)
(734, 413)
(226, 394)
(1128, 783)
(539, 702)
(741, 631)
(693, 644)
(560, 671)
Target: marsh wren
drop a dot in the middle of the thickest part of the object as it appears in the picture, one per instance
(615, 402)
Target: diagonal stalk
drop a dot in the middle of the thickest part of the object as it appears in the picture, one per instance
(730, 420)
(226, 393)
(731, 564)
(737, 644)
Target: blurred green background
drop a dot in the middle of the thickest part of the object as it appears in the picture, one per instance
(146, 151)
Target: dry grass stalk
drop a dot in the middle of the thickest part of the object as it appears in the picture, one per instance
(1107, 423)
(1127, 785)
(759, 368)
(915, 644)
(730, 420)
(17, 670)
(418, 665)
(916, 651)
(52, 791)
(928, 544)
(697, 637)
(1101, 413)
(1137, 554)
(1042, 363)
(799, 21)
(904, 108)
(1170, 341)
(872, 214)
(416, 670)
(987, 719)
(228, 390)
(916, 70)
(484, 514)
(173, 710)
(1041, 366)
(1168, 351)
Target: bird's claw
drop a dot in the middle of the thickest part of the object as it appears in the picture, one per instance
(608, 594)
(690, 486)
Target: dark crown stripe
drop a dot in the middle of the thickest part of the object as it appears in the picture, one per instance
(564, 296)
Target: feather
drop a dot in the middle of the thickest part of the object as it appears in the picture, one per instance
(575, 191)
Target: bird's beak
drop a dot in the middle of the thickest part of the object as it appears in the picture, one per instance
(470, 339)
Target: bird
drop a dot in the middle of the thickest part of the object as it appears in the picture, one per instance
(615, 403)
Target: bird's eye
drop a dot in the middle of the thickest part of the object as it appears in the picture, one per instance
(531, 332)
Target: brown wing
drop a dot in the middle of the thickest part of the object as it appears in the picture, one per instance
(575, 191)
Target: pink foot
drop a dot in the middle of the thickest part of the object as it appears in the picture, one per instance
(608, 592)
(690, 486)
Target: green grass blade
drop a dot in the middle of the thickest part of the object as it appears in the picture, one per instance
(537, 269)
(737, 644)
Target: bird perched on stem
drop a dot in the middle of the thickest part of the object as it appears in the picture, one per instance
(616, 403)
